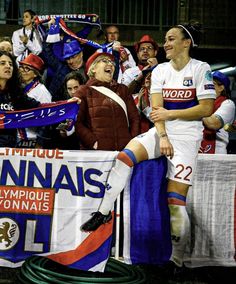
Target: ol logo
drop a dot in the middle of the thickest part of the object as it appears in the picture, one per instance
(188, 81)
(9, 233)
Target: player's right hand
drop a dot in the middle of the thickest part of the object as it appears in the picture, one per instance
(166, 147)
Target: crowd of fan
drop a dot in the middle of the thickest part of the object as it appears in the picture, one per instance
(113, 88)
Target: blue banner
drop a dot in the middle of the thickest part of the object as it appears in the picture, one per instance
(47, 114)
(150, 238)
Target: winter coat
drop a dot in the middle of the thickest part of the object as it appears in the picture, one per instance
(103, 120)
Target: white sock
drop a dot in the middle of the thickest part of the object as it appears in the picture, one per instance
(116, 182)
(180, 229)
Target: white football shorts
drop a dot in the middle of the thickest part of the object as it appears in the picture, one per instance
(181, 167)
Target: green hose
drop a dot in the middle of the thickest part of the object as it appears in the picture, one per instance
(41, 270)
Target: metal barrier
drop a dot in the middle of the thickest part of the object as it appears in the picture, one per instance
(148, 13)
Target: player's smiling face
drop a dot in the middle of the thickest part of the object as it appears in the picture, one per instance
(175, 43)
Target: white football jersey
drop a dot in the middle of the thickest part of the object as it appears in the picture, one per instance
(183, 89)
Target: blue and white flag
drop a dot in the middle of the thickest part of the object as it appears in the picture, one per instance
(147, 237)
(54, 32)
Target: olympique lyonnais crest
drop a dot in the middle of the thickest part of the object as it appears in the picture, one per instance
(27, 210)
(188, 81)
(9, 233)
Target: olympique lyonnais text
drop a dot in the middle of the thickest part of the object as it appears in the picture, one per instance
(76, 179)
(39, 153)
(26, 200)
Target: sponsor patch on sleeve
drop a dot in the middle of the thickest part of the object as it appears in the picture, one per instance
(208, 75)
(209, 87)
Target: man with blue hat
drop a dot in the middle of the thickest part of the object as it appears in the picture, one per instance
(215, 138)
(73, 55)
(71, 60)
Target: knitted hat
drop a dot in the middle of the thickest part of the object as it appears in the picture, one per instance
(33, 61)
(96, 55)
(71, 48)
(144, 39)
(222, 78)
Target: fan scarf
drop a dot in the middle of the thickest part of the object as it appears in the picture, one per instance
(60, 24)
(46, 114)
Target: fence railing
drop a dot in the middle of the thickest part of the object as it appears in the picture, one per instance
(152, 13)
(135, 16)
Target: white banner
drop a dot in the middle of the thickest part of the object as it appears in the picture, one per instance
(45, 196)
(212, 209)
(211, 205)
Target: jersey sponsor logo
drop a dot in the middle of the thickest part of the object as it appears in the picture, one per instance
(179, 95)
(188, 81)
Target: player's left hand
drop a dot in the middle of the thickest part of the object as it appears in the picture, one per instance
(159, 114)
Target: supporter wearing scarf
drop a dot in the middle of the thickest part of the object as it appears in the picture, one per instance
(215, 138)
(209, 135)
